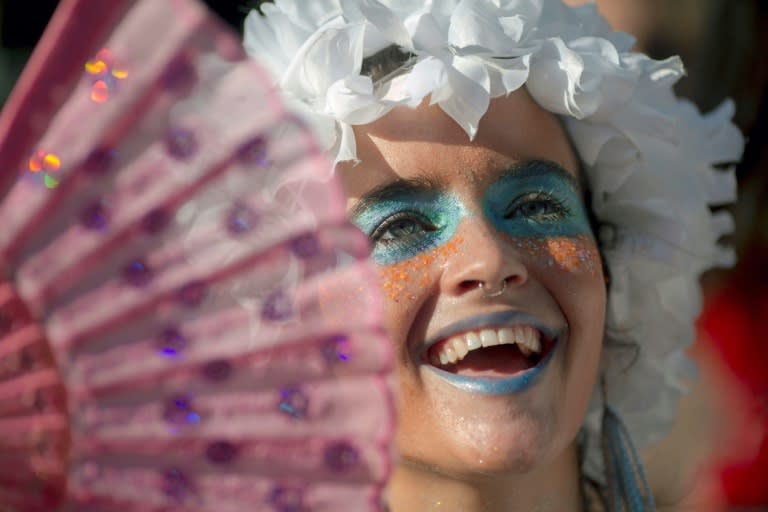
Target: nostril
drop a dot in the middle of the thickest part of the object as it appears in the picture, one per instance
(466, 286)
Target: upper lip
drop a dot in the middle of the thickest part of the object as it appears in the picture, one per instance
(496, 319)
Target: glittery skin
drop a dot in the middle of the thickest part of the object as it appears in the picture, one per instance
(398, 278)
(577, 254)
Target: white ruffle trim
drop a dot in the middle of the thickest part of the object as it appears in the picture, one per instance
(649, 156)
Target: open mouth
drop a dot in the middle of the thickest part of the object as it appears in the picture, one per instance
(491, 352)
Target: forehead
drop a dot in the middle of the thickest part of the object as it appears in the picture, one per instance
(426, 143)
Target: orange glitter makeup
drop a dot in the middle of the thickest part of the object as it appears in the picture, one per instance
(576, 254)
(398, 279)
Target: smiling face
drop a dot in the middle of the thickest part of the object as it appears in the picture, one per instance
(444, 215)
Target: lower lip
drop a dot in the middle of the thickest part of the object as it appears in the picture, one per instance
(496, 386)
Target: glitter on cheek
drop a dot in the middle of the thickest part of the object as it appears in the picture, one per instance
(576, 254)
(402, 280)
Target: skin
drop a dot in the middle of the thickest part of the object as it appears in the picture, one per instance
(462, 452)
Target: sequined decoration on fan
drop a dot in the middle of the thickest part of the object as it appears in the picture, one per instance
(336, 349)
(41, 166)
(179, 412)
(294, 402)
(105, 76)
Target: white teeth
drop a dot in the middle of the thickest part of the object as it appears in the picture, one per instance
(506, 336)
(473, 340)
(457, 347)
(461, 347)
(488, 338)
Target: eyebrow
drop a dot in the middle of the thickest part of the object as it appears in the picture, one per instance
(426, 184)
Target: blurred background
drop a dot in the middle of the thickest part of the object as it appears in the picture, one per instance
(724, 45)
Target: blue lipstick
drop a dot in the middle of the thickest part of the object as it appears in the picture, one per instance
(495, 385)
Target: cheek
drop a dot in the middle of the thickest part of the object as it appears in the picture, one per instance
(406, 282)
(576, 255)
(407, 286)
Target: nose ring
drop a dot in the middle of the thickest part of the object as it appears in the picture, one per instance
(490, 294)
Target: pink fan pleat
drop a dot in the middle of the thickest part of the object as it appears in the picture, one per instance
(187, 319)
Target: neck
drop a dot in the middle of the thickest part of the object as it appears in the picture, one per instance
(553, 487)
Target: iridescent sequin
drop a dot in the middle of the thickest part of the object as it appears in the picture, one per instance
(193, 294)
(137, 273)
(294, 402)
(336, 349)
(287, 499)
(105, 76)
(181, 143)
(340, 456)
(180, 76)
(99, 162)
(95, 216)
(155, 221)
(277, 307)
(171, 342)
(305, 246)
(254, 152)
(241, 219)
(217, 370)
(43, 163)
(179, 411)
(176, 485)
(221, 452)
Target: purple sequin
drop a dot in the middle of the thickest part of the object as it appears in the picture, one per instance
(171, 342)
(287, 499)
(294, 402)
(217, 370)
(180, 76)
(340, 456)
(336, 349)
(305, 246)
(180, 412)
(221, 452)
(176, 485)
(155, 221)
(193, 294)
(95, 216)
(137, 273)
(99, 161)
(181, 143)
(241, 219)
(254, 152)
(277, 307)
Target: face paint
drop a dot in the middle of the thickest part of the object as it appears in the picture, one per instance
(398, 278)
(408, 224)
(537, 201)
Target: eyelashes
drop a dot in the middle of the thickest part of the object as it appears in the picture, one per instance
(401, 227)
(537, 206)
(407, 227)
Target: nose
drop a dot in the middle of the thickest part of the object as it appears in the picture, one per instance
(485, 263)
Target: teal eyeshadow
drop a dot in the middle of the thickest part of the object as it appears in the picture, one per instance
(441, 210)
(502, 195)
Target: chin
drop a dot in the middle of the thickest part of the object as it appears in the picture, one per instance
(477, 446)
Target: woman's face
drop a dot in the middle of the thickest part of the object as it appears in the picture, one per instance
(444, 215)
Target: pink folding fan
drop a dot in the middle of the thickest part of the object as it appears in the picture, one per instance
(187, 319)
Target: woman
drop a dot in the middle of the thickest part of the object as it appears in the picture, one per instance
(508, 160)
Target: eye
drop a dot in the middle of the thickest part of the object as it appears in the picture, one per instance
(537, 206)
(401, 226)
